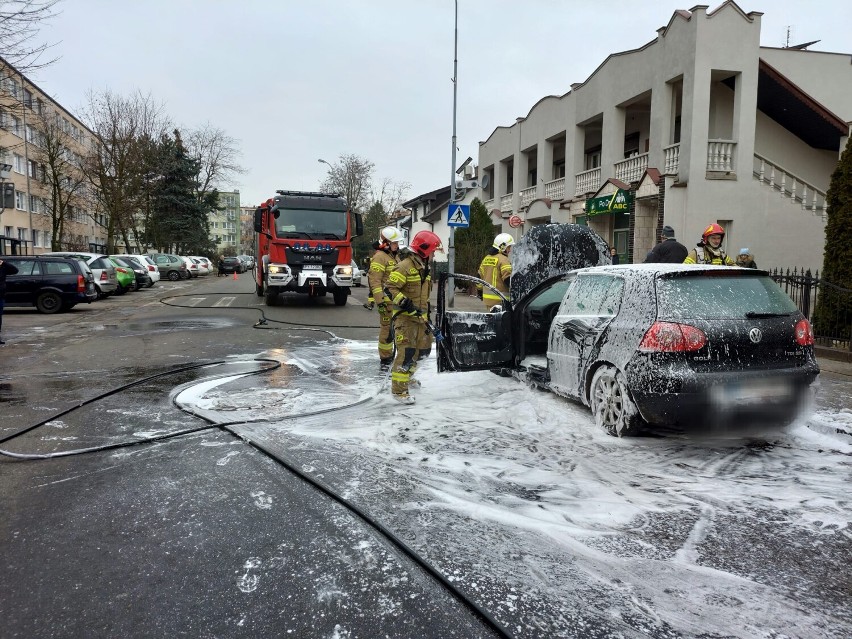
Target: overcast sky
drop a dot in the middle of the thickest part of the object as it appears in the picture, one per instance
(298, 80)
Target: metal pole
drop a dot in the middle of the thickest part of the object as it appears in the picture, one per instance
(451, 262)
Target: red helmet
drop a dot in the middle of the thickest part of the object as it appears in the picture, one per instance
(425, 243)
(713, 229)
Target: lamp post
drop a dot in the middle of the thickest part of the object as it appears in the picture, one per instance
(451, 252)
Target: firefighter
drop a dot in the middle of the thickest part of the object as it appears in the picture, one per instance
(496, 269)
(381, 265)
(409, 286)
(709, 250)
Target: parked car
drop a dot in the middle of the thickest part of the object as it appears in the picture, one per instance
(50, 283)
(229, 265)
(124, 275)
(106, 281)
(658, 343)
(203, 264)
(149, 266)
(191, 266)
(140, 271)
(247, 260)
(356, 274)
(171, 266)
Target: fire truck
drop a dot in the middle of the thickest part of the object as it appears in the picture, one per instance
(303, 244)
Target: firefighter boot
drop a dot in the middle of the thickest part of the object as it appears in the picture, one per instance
(385, 364)
(404, 398)
(413, 383)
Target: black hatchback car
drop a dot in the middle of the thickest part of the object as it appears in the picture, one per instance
(50, 283)
(657, 343)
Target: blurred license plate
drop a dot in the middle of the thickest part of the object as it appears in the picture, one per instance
(751, 392)
(312, 267)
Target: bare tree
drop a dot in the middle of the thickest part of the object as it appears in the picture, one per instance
(218, 152)
(119, 166)
(20, 21)
(57, 155)
(352, 177)
(392, 194)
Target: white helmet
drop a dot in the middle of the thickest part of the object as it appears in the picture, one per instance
(503, 241)
(390, 234)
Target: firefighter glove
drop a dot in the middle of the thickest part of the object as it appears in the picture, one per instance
(406, 305)
(383, 307)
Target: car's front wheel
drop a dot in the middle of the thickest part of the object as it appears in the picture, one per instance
(612, 407)
(49, 302)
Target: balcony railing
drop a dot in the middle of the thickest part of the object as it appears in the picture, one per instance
(671, 159)
(789, 185)
(506, 201)
(489, 203)
(631, 169)
(555, 189)
(528, 195)
(588, 181)
(720, 155)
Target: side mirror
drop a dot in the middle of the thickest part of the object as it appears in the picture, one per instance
(359, 226)
(258, 220)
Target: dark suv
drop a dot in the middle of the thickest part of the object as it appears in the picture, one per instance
(50, 283)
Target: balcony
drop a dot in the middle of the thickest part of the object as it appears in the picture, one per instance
(489, 203)
(631, 169)
(671, 159)
(555, 189)
(720, 155)
(506, 201)
(528, 195)
(789, 185)
(588, 181)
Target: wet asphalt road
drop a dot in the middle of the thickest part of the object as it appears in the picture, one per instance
(204, 536)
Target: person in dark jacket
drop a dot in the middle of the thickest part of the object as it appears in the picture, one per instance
(613, 255)
(5, 269)
(746, 259)
(669, 250)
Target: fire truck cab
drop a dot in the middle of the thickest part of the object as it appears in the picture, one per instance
(304, 245)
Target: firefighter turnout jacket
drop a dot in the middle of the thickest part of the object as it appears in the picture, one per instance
(410, 279)
(706, 255)
(381, 265)
(496, 270)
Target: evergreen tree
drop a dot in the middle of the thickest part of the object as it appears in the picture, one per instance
(833, 313)
(375, 220)
(473, 242)
(179, 221)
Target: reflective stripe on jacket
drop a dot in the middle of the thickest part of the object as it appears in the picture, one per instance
(496, 270)
(380, 268)
(410, 278)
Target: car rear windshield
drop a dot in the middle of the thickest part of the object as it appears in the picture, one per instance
(723, 295)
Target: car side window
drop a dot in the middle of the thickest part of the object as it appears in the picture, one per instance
(612, 298)
(26, 267)
(587, 295)
(58, 268)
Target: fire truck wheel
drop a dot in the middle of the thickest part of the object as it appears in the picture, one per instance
(259, 290)
(271, 299)
(340, 295)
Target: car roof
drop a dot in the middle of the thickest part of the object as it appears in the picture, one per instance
(667, 269)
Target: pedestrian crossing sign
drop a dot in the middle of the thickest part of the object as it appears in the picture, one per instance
(459, 215)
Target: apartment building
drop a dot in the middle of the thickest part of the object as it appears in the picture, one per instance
(700, 125)
(247, 235)
(41, 142)
(225, 223)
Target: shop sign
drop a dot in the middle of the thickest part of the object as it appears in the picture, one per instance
(618, 202)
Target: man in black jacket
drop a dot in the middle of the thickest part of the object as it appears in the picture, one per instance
(669, 250)
(5, 269)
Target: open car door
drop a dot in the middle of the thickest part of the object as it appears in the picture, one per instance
(473, 340)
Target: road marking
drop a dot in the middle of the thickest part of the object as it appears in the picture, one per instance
(225, 301)
(195, 301)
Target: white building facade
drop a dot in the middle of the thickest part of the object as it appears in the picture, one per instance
(700, 125)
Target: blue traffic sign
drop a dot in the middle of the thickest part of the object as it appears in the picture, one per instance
(459, 215)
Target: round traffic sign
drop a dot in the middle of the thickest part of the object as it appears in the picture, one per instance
(515, 221)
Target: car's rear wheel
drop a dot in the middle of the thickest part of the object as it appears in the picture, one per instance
(49, 302)
(612, 407)
(174, 276)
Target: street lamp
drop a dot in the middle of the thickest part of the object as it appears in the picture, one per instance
(324, 162)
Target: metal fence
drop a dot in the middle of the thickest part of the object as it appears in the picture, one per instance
(805, 290)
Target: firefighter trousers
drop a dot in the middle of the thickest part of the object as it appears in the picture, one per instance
(385, 337)
(412, 343)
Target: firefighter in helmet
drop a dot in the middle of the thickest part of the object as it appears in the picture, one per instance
(409, 286)
(709, 250)
(496, 269)
(383, 262)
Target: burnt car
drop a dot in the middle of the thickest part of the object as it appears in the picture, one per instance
(674, 345)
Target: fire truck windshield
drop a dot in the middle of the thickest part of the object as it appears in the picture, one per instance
(311, 224)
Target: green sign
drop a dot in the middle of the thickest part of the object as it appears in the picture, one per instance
(618, 202)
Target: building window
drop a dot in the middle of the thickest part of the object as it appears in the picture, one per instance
(28, 98)
(20, 200)
(15, 125)
(22, 234)
(31, 168)
(33, 204)
(18, 163)
(593, 158)
(8, 231)
(35, 238)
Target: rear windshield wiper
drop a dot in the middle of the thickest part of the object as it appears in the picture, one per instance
(756, 315)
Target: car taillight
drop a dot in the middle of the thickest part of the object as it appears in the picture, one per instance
(81, 284)
(152, 268)
(104, 277)
(804, 333)
(669, 337)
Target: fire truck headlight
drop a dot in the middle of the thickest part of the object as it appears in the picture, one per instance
(345, 270)
(276, 269)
